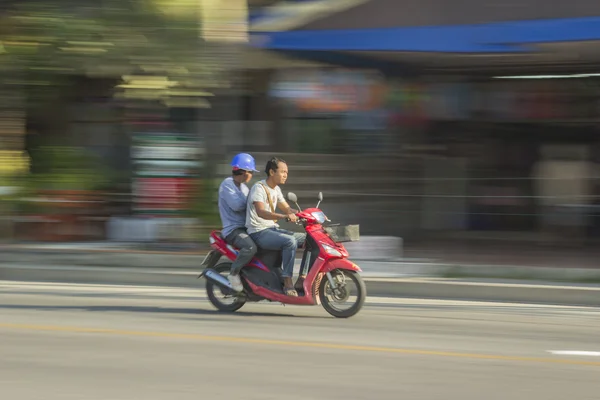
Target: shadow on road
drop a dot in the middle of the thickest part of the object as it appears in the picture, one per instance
(152, 310)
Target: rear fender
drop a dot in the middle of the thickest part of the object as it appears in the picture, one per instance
(211, 259)
(340, 263)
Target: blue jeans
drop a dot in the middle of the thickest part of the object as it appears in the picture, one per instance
(280, 239)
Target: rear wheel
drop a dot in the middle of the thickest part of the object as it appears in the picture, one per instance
(222, 298)
(347, 297)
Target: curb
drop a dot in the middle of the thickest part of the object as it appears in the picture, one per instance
(521, 292)
(115, 257)
(396, 267)
(391, 286)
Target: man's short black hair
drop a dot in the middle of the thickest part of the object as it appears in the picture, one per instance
(273, 164)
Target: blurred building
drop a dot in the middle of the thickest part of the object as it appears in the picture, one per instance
(107, 100)
(416, 119)
(442, 121)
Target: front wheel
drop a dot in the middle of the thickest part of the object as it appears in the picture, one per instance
(223, 299)
(347, 298)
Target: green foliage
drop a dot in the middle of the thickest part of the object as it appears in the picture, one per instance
(204, 205)
(64, 168)
(42, 41)
(70, 168)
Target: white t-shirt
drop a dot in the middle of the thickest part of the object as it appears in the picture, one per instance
(254, 223)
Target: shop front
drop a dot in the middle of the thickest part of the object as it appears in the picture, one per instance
(531, 148)
(344, 111)
(513, 136)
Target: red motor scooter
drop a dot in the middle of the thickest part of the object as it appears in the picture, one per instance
(332, 280)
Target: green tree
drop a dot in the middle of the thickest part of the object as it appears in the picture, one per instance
(41, 42)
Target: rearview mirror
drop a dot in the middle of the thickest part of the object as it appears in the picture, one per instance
(292, 197)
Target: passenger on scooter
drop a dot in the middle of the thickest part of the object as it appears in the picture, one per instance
(261, 221)
(233, 194)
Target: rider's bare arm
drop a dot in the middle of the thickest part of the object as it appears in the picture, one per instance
(262, 212)
(285, 207)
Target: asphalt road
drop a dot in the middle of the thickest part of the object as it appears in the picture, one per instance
(86, 342)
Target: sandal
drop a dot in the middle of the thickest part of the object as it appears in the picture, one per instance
(288, 289)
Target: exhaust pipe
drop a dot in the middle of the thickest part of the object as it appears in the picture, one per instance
(217, 278)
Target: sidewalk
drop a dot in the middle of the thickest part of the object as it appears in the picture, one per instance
(493, 260)
(418, 278)
(496, 253)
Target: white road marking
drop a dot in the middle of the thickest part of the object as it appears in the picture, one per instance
(19, 287)
(575, 353)
(112, 289)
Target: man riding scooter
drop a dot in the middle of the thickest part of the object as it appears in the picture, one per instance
(261, 221)
(233, 194)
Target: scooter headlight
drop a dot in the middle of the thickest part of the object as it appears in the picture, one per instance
(331, 251)
(319, 216)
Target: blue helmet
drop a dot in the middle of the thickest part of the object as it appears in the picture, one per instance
(243, 161)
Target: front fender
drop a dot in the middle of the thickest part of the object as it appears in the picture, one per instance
(340, 263)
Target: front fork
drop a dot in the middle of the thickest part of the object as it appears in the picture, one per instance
(337, 286)
(336, 266)
(331, 280)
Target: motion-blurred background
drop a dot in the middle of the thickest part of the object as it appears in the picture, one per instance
(466, 128)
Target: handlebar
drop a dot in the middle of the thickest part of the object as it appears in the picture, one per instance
(298, 222)
(309, 215)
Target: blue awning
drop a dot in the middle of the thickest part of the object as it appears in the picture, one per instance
(504, 37)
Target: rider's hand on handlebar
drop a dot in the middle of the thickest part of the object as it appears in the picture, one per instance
(292, 218)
